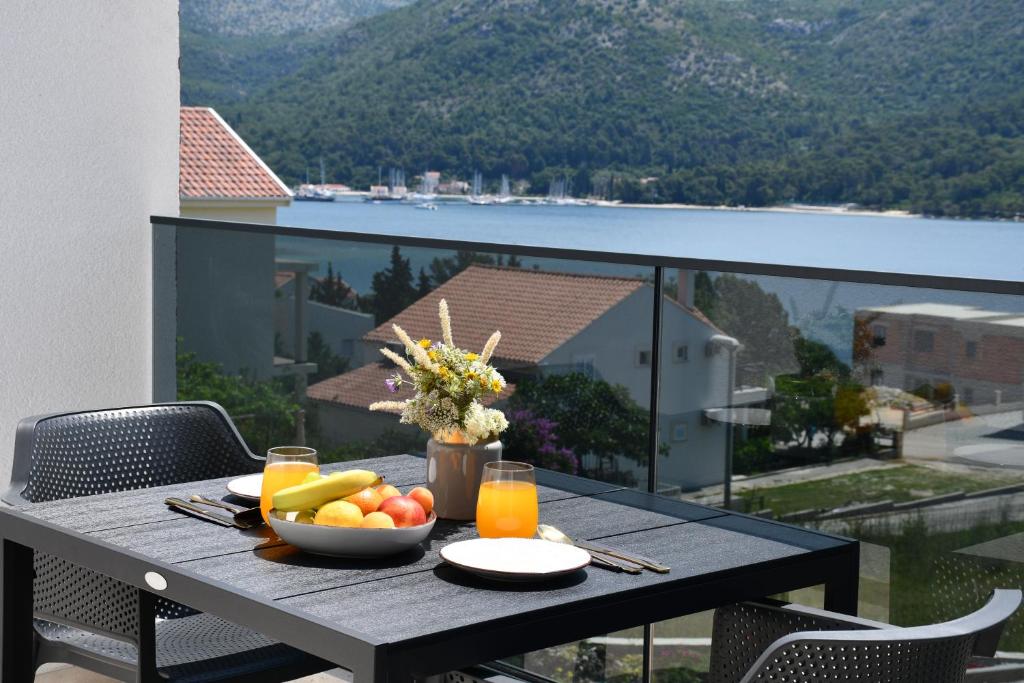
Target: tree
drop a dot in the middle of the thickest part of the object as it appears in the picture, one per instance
(423, 285)
(704, 294)
(444, 268)
(328, 364)
(593, 418)
(818, 398)
(392, 290)
(264, 411)
(332, 290)
(757, 319)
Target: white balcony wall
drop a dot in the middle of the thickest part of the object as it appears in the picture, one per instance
(89, 150)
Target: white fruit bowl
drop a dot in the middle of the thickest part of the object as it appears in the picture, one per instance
(336, 541)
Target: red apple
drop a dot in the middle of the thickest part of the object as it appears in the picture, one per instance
(404, 510)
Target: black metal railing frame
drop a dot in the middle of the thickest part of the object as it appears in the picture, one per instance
(163, 260)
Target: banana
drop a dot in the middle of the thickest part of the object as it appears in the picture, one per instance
(313, 494)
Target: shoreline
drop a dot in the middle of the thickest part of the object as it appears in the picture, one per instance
(813, 209)
(785, 208)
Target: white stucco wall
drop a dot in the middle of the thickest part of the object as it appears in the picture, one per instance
(88, 150)
(611, 343)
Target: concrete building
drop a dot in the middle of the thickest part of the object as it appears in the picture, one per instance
(554, 323)
(979, 353)
(342, 329)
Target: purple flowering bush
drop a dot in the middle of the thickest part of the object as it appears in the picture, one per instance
(534, 439)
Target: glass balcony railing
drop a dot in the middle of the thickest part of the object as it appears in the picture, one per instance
(884, 406)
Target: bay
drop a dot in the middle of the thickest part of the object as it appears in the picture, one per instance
(957, 248)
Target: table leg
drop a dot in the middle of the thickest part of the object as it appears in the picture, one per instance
(841, 589)
(16, 632)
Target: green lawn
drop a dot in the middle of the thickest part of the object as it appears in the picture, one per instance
(898, 484)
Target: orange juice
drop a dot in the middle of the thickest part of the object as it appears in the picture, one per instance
(281, 475)
(507, 508)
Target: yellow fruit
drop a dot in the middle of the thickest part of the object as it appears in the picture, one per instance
(313, 494)
(378, 520)
(312, 476)
(339, 513)
(368, 500)
(305, 517)
(388, 491)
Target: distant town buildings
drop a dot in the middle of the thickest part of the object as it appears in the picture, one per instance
(453, 187)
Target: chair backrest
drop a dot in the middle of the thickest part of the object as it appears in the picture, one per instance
(102, 451)
(938, 653)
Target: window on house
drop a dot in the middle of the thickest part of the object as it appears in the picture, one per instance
(681, 353)
(971, 349)
(584, 364)
(924, 341)
(643, 357)
(679, 431)
(878, 335)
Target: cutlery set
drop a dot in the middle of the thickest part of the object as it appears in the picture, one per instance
(240, 518)
(604, 556)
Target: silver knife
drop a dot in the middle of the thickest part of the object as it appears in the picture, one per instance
(623, 555)
(196, 511)
(598, 560)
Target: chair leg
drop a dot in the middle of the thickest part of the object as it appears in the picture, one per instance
(18, 663)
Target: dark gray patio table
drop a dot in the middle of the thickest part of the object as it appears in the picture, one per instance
(412, 615)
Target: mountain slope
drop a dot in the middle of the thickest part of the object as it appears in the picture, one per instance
(742, 102)
(231, 47)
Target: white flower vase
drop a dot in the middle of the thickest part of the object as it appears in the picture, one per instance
(454, 471)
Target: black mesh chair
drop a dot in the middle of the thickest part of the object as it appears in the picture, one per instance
(95, 622)
(774, 641)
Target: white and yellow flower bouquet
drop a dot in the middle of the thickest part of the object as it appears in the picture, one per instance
(449, 383)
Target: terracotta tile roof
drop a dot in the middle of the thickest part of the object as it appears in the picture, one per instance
(536, 311)
(363, 386)
(216, 163)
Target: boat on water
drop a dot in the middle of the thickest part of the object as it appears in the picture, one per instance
(312, 193)
(428, 206)
(394, 191)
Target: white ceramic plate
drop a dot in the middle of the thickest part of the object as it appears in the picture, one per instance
(336, 541)
(515, 559)
(248, 487)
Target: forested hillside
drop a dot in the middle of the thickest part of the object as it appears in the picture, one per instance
(885, 103)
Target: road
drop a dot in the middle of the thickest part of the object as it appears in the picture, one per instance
(971, 441)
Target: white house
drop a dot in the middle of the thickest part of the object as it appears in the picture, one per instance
(555, 323)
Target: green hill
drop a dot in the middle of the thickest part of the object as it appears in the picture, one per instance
(886, 103)
(230, 48)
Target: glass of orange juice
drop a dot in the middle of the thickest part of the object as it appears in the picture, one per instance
(507, 505)
(286, 466)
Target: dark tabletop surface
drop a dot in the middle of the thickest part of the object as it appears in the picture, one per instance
(415, 594)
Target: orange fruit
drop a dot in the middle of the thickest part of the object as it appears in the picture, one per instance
(424, 497)
(378, 520)
(368, 500)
